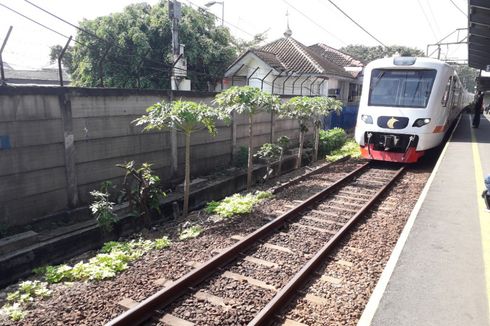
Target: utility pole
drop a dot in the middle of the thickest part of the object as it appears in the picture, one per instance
(178, 80)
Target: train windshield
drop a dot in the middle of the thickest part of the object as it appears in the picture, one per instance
(401, 88)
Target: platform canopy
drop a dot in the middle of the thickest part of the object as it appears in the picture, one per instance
(479, 34)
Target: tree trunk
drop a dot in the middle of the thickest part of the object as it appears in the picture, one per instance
(250, 151)
(187, 178)
(300, 150)
(317, 142)
(279, 168)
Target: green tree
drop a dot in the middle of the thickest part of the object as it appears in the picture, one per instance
(54, 54)
(186, 117)
(467, 75)
(134, 47)
(308, 110)
(250, 101)
(370, 53)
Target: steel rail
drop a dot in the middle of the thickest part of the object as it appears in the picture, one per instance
(146, 309)
(267, 314)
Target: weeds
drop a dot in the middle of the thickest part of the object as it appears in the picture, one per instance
(191, 232)
(236, 204)
(19, 300)
(349, 148)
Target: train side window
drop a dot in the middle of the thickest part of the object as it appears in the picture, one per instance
(445, 98)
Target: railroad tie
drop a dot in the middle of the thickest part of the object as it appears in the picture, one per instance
(315, 299)
(290, 322)
(330, 279)
(168, 319)
(266, 245)
(212, 299)
(250, 280)
(314, 228)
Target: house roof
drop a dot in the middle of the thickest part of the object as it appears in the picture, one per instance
(34, 76)
(295, 56)
(338, 57)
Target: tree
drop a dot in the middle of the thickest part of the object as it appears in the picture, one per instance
(67, 60)
(186, 117)
(283, 143)
(305, 110)
(370, 53)
(269, 153)
(467, 75)
(133, 48)
(250, 101)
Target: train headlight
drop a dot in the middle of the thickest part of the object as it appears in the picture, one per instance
(421, 122)
(367, 119)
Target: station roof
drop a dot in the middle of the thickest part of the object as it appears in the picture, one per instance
(479, 34)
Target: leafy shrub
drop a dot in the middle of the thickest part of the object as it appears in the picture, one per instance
(240, 159)
(112, 259)
(191, 232)
(331, 140)
(25, 294)
(350, 148)
(237, 204)
(103, 210)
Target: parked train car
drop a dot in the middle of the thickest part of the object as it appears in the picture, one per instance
(407, 105)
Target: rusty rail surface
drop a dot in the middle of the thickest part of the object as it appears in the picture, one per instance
(146, 309)
(267, 314)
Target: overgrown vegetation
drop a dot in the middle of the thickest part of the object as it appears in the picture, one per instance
(236, 204)
(141, 189)
(283, 143)
(349, 148)
(331, 140)
(190, 232)
(112, 259)
(240, 157)
(18, 300)
(103, 210)
(269, 153)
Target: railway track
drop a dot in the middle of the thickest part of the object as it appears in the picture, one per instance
(270, 264)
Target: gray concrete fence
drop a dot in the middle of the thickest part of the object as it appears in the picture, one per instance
(58, 144)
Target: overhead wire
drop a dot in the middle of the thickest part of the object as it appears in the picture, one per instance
(357, 24)
(427, 19)
(457, 7)
(314, 22)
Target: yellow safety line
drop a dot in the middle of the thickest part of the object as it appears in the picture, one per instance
(483, 214)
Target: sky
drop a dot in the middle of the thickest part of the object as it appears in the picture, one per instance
(413, 23)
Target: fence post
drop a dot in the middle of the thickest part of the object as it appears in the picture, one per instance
(69, 143)
(233, 127)
(273, 127)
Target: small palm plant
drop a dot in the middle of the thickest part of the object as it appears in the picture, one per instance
(250, 101)
(186, 117)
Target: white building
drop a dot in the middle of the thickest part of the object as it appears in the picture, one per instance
(287, 67)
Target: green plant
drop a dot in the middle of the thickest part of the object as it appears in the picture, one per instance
(269, 153)
(250, 101)
(331, 139)
(26, 292)
(162, 243)
(103, 210)
(309, 110)
(236, 204)
(14, 311)
(186, 117)
(190, 232)
(283, 143)
(349, 148)
(142, 189)
(240, 157)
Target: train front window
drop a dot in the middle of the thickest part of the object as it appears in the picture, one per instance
(401, 88)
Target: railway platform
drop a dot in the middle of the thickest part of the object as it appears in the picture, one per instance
(439, 272)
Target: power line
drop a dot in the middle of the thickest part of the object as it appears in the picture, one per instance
(457, 7)
(314, 22)
(358, 25)
(427, 19)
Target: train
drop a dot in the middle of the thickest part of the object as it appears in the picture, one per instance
(407, 105)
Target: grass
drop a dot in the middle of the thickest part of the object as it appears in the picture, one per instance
(237, 204)
(349, 148)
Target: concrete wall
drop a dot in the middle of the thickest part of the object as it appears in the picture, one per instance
(58, 144)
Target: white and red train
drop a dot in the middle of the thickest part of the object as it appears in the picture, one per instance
(407, 105)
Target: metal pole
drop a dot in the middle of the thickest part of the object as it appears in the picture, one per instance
(262, 80)
(294, 82)
(311, 85)
(233, 76)
(319, 91)
(61, 58)
(2, 72)
(222, 13)
(285, 80)
(301, 85)
(273, 81)
(248, 79)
